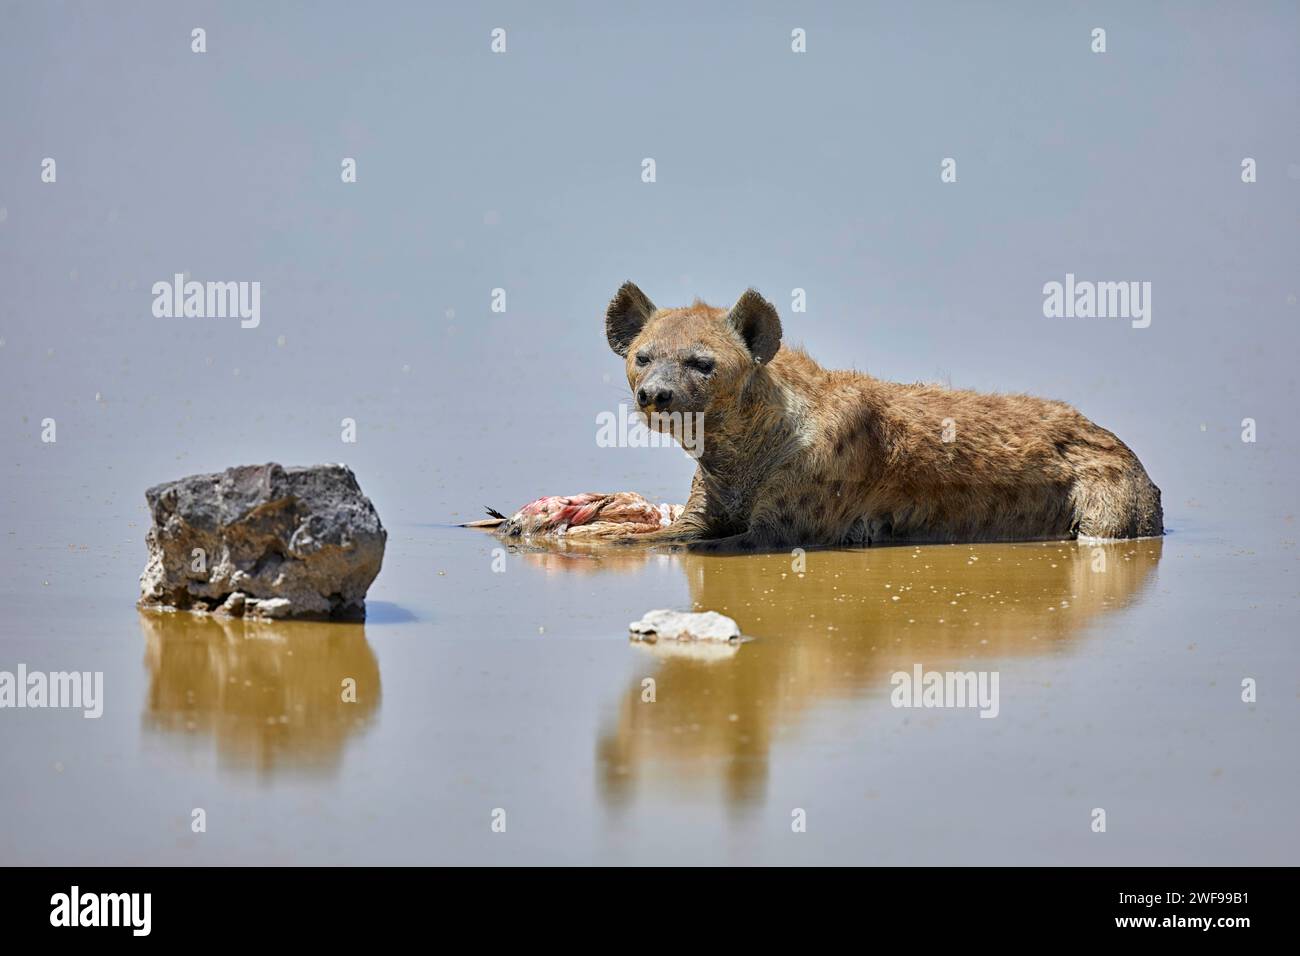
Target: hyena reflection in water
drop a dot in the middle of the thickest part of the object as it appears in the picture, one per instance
(838, 631)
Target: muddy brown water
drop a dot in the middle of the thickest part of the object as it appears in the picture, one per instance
(509, 682)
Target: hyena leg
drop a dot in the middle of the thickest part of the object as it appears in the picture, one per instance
(691, 525)
(668, 535)
(687, 527)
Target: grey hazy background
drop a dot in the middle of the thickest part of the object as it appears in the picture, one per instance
(818, 171)
(522, 171)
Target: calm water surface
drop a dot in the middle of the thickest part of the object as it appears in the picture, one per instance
(519, 689)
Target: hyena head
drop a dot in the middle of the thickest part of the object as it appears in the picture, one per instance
(692, 360)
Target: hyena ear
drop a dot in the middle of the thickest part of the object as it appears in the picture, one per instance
(627, 313)
(758, 324)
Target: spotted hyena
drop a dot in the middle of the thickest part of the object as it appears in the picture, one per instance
(794, 454)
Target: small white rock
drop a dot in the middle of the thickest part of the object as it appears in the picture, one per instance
(684, 626)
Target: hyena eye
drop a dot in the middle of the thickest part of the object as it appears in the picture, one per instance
(642, 359)
(702, 365)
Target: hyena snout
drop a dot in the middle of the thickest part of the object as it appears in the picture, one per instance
(656, 397)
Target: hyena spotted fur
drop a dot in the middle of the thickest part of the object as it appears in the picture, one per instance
(796, 455)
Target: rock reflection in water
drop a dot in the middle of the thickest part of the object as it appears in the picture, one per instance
(270, 694)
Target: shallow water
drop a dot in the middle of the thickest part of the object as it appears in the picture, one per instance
(519, 689)
(506, 680)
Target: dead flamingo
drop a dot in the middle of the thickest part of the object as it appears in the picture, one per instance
(588, 515)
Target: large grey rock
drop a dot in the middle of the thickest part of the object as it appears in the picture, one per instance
(265, 541)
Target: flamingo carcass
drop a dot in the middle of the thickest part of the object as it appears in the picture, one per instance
(588, 515)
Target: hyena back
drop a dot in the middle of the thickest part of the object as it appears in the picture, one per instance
(794, 454)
